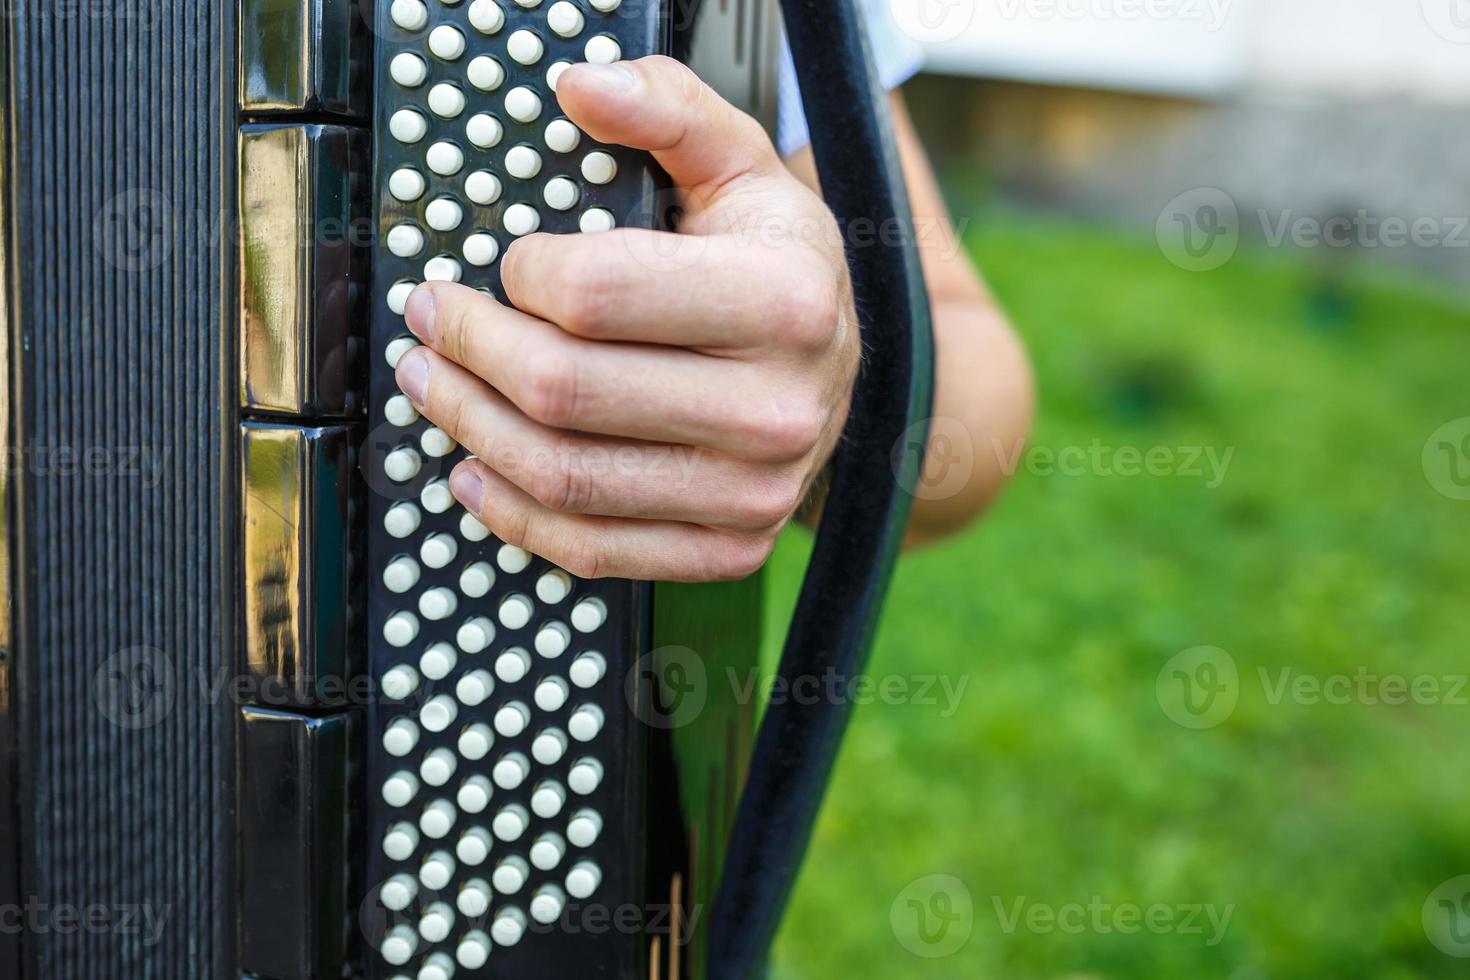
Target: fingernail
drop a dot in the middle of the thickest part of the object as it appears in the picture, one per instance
(465, 484)
(413, 376)
(613, 78)
(419, 312)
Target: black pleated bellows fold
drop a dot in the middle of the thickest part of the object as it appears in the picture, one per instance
(120, 110)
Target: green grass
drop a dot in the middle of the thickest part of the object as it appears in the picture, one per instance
(1324, 550)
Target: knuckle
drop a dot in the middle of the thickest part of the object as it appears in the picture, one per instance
(740, 557)
(549, 387)
(808, 308)
(588, 298)
(771, 503)
(793, 425)
(586, 555)
(565, 485)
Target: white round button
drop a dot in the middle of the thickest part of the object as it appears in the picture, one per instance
(398, 294)
(474, 794)
(408, 126)
(509, 927)
(552, 640)
(512, 559)
(399, 682)
(437, 819)
(521, 219)
(443, 214)
(509, 824)
(402, 519)
(436, 922)
(436, 497)
(512, 719)
(438, 550)
(482, 187)
(400, 788)
(475, 742)
(400, 737)
(555, 72)
(474, 846)
(548, 799)
(408, 70)
(399, 411)
(446, 100)
(398, 892)
(411, 15)
(561, 194)
(474, 688)
(553, 586)
(511, 771)
(438, 713)
(484, 130)
(522, 104)
(444, 158)
(606, 6)
(477, 580)
(480, 249)
(525, 47)
(442, 268)
(474, 898)
(438, 767)
(565, 19)
(513, 665)
(473, 951)
(396, 348)
(547, 906)
(402, 464)
(589, 614)
(562, 136)
(515, 611)
(584, 827)
(486, 16)
(485, 73)
(551, 694)
(585, 776)
(437, 870)
(447, 42)
(549, 746)
(438, 966)
(510, 875)
(585, 723)
(522, 162)
(401, 574)
(597, 221)
(601, 50)
(437, 604)
(438, 661)
(401, 629)
(599, 167)
(588, 669)
(436, 443)
(401, 840)
(400, 944)
(583, 879)
(407, 184)
(475, 635)
(405, 240)
(471, 529)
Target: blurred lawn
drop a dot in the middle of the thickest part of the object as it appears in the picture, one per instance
(1324, 550)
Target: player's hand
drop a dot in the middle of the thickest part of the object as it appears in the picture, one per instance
(656, 405)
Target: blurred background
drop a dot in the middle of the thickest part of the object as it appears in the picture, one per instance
(1197, 700)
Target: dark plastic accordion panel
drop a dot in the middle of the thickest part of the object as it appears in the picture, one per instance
(119, 114)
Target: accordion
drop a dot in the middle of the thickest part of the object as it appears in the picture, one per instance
(272, 704)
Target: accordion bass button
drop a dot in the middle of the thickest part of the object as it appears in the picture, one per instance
(548, 904)
(562, 136)
(446, 42)
(552, 640)
(477, 580)
(522, 162)
(474, 744)
(588, 615)
(513, 665)
(599, 168)
(396, 348)
(401, 737)
(438, 713)
(407, 184)
(583, 879)
(400, 682)
(398, 892)
(401, 574)
(522, 104)
(480, 249)
(547, 851)
(437, 819)
(524, 47)
(399, 945)
(606, 6)
(561, 194)
(474, 688)
(475, 635)
(474, 794)
(401, 629)
(509, 825)
(551, 694)
(411, 15)
(509, 926)
(597, 221)
(437, 967)
(402, 519)
(474, 950)
(436, 922)
(436, 443)
(553, 587)
(521, 220)
(588, 669)
(402, 465)
(486, 16)
(584, 827)
(528, 4)
(585, 776)
(603, 50)
(408, 69)
(443, 214)
(565, 20)
(554, 73)
(586, 723)
(399, 411)
(446, 100)
(400, 788)
(438, 550)
(484, 131)
(548, 799)
(482, 187)
(515, 611)
(408, 126)
(398, 294)
(474, 846)
(438, 661)
(510, 875)
(436, 497)
(444, 158)
(471, 529)
(512, 560)
(473, 900)
(438, 767)
(485, 73)
(437, 871)
(405, 240)
(401, 840)
(511, 771)
(549, 746)
(443, 268)
(437, 604)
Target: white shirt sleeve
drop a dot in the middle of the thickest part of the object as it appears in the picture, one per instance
(898, 57)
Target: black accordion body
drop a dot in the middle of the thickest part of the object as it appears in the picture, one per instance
(272, 704)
